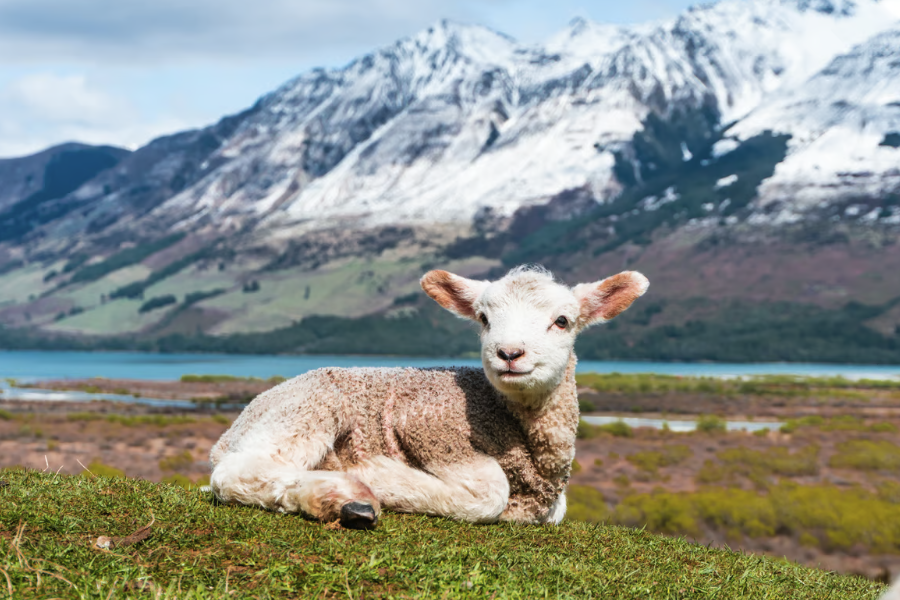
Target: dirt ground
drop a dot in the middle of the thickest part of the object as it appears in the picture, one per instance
(67, 437)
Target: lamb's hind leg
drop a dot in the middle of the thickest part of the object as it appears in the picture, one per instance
(475, 491)
(270, 481)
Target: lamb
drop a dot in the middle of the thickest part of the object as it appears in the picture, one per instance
(477, 445)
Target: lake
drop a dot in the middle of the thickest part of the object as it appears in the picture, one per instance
(31, 365)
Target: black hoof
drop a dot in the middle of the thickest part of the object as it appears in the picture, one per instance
(358, 515)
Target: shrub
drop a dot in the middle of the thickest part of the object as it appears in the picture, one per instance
(120, 260)
(585, 430)
(652, 460)
(840, 423)
(710, 424)
(867, 455)
(274, 380)
(585, 503)
(837, 519)
(586, 406)
(157, 302)
(133, 421)
(662, 512)
(177, 462)
(576, 467)
(618, 429)
(5, 415)
(97, 468)
(777, 460)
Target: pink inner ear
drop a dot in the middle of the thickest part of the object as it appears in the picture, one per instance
(450, 291)
(611, 296)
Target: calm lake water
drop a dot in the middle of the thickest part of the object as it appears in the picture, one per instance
(132, 365)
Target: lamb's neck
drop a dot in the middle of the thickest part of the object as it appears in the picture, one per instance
(550, 426)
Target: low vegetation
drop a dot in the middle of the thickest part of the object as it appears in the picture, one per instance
(784, 386)
(229, 379)
(868, 455)
(166, 541)
(732, 332)
(586, 431)
(651, 461)
(124, 258)
(758, 466)
(819, 515)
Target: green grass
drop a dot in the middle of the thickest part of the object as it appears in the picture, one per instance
(197, 549)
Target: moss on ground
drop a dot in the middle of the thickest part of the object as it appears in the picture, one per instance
(198, 549)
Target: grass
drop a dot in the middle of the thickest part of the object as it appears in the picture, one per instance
(198, 549)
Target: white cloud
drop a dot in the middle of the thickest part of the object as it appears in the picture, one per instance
(41, 109)
(129, 65)
(62, 98)
(162, 30)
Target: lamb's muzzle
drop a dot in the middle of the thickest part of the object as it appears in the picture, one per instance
(479, 445)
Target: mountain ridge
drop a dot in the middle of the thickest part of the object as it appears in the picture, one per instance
(460, 147)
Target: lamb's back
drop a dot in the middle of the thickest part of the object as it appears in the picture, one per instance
(373, 411)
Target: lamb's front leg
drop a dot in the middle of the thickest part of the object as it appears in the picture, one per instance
(476, 491)
(267, 480)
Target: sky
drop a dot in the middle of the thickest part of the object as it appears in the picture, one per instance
(122, 72)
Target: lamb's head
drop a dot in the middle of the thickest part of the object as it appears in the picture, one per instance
(529, 321)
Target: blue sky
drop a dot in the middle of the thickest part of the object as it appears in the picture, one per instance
(124, 71)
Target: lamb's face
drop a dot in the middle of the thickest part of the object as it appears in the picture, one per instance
(528, 328)
(529, 322)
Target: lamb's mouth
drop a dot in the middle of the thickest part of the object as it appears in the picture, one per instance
(514, 374)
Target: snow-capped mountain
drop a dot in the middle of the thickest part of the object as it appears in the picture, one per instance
(841, 121)
(459, 119)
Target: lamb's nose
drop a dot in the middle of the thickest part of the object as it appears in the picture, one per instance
(509, 355)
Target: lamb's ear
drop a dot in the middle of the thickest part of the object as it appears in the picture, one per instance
(456, 294)
(602, 300)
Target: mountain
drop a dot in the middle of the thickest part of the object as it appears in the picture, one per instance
(762, 128)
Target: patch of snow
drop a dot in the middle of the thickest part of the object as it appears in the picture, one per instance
(726, 181)
(724, 146)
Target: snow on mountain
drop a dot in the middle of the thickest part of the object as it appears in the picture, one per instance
(458, 119)
(839, 121)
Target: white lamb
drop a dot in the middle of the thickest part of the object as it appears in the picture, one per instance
(470, 444)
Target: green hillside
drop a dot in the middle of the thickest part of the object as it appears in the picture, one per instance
(198, 549)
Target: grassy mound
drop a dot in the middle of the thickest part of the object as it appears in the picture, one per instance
(198, 549)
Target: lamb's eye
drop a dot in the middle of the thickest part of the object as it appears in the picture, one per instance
(562, 322)
(484, 320)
